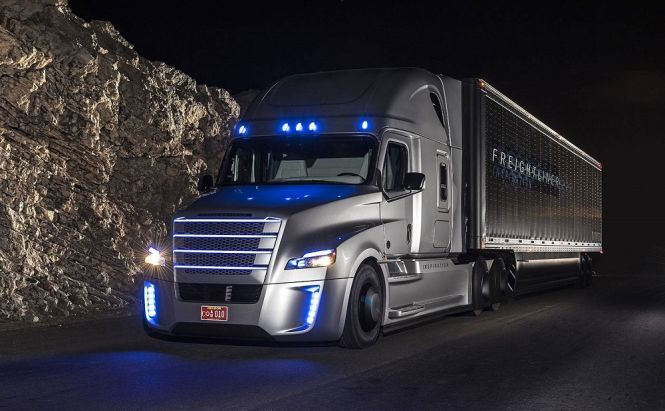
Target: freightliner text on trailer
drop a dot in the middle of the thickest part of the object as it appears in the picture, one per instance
(354, 202)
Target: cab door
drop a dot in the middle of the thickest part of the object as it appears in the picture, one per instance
(397, 153)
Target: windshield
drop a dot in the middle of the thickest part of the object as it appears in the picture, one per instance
(285, 160)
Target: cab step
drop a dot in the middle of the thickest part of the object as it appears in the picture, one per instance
(405, 310)
(404, 277)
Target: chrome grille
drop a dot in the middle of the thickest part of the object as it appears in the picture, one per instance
(223, 246)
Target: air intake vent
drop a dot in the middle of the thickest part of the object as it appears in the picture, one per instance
(219, 293)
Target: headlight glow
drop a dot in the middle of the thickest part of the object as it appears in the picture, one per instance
(322, 258)
(155, 258)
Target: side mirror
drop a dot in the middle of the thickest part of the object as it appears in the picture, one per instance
(205, 184)
(414, 181)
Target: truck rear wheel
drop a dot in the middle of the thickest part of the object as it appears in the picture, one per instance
(480, 286)
(364, 312)
(498, 280)
(488, 285)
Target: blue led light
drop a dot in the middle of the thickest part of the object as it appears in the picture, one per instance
(149, 301)
(312, 126)
(242, 130)
(299, 127)
(286, 128)
(314, 300)
(364, 125)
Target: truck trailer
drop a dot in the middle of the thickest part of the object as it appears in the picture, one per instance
(352, 203)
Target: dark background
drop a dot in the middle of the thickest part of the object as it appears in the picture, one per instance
(593, 72)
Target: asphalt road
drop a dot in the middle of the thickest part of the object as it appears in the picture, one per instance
(598, 348)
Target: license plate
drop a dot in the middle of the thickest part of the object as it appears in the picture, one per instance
(214, 313)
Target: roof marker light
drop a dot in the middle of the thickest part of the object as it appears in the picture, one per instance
(299, 127)
(312, 126)
(242, 130)
(286, 128)
(364, 125)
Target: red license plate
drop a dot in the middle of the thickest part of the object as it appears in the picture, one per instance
(214, 313)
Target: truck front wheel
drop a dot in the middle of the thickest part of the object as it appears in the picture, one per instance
(364, 311)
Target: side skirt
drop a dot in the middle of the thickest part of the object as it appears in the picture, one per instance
(425, 318)
(419, 287)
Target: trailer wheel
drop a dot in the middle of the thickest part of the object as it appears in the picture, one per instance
(365, 310)
(586, 272)
(481, 286)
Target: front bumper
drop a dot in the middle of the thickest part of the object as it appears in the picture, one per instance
(280, 314)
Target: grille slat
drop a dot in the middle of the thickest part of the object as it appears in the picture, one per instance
(206, 243)
(225, 246)
(220, 228)
(221, 260)
(205, 271)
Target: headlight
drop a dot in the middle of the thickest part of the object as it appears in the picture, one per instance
(322, 258)
(154, 257)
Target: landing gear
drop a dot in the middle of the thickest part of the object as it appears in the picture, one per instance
(489, 286)
(365, 310)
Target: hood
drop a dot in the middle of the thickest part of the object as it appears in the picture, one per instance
(275, 200)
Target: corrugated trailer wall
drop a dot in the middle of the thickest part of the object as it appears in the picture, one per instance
(539, 192)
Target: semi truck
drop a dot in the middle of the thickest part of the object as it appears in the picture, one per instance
(352, 203)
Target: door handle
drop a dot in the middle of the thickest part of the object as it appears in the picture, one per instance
(408, 234)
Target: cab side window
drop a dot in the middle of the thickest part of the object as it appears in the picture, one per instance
(436, 105)
(395, 166)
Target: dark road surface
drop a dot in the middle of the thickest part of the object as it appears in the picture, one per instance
(598, 348)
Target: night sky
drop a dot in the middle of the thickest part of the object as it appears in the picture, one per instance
(593, 72)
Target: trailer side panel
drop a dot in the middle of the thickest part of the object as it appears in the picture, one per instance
(538, 192)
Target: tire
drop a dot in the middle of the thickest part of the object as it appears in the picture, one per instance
(364, 313)
(480, 286)
(585, 278)
(498, 280)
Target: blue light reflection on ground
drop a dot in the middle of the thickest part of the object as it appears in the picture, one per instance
(145, 376)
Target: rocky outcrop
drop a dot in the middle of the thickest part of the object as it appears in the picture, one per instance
(98, 146)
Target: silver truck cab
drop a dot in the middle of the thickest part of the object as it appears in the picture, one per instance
(337, 212)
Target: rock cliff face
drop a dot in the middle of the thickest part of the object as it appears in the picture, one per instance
(98, 146)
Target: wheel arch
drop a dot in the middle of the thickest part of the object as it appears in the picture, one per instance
(370, 256)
